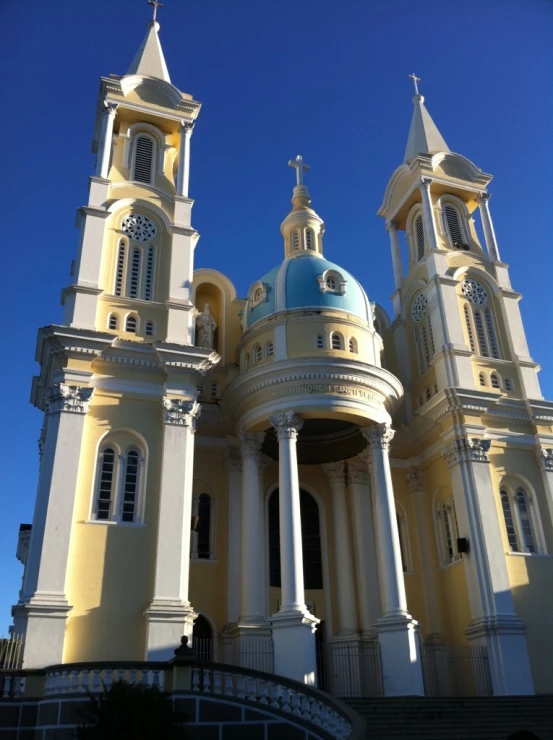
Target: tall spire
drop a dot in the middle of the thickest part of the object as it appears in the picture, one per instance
(149, 60)
(424, 137)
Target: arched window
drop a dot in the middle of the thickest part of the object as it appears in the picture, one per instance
(352, 345)
(134, 274)
(508, 384)
(424, 338)
(336, 340)
(258, 295)
(295, 241)
(106, 481)
(113, 321)
(311, 541)
(490, 329)
(130, 324)
(149, 329)
(148, 291)
(120, 268)
(427, 394)
(269, 349)
(521, 521)
(453, 225)
(419, 237)
(479, 320)
(494, 380)
(204, 526)
(320, 341)
(257, 353)
(309, 239)
(143, 160)
(130, 486)
(331, 283)
(482, 379)
(466, 310)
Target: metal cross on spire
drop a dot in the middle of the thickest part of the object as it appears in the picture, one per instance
(415, 80)
(156, 6)
(300, 167)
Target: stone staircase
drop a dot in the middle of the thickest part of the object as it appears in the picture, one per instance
(455, 718)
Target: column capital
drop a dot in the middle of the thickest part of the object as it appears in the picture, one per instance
(378, 436)
(358, 473)
(110, 109)
(391, 226)
(233, 460)
(187, 127)
(180, 412)
(484, 197)
(545, 459)
(250, 443)
(426, 182)
(335, 471)
(466, 449)
(414, 478)
(286, 425)
(63, 397)
(366, 457)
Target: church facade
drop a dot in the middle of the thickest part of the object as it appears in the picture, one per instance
(296, 466)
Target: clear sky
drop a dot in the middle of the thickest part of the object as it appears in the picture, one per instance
(327, 80)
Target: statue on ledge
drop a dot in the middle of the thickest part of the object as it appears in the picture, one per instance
(205, 329)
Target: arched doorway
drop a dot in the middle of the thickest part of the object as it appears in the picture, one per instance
(311, 542)
(202, 639)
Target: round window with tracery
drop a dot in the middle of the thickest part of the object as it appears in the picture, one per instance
(420, 304)
(138, 227)
(474, 292)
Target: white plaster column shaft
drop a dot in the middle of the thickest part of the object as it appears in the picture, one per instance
(428, 213)
(183, 172)
(487, 225)
(345, 586)
(391, 228)
(397, 630)
(252, 607)
(494, 621)
(293, 625)
(42, 612)
(105, 143)
(234, 476)
(365, 551)
(170, 615)
(180, 319)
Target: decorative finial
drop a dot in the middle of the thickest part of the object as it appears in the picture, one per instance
(156, 6)
(415, 80)
(300, 167)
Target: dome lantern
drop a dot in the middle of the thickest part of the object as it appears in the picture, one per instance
(302, 228)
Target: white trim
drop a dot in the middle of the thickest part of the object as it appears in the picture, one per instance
(136, 204)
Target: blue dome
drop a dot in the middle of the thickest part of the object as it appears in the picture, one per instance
(296, 283)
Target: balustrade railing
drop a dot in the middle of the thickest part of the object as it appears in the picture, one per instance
(95, 677)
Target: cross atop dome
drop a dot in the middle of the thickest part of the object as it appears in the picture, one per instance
(413, 77)
(156, 6)
(300, 167)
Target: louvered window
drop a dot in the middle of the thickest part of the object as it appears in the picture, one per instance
(450, 552)
(120, 269)
(430, 336)
(257, 353)
(309, 239)
(453, 225)
(143, 159)
(320, 342)
(494, 380)
(113, 321)
(425, 346)
(295, 241)
(482, 379)
(525, 522)
(269, 349)
(494, 349)
(480, 334)
(336, 341)
(149, 329)
(214, 390)
(130, 325)
(469, 329)
(509, 522)
(508, 384)
(105, 487)
(420, 353)
(149, 274)
(130, 486)
(134, 277)
(419, 235)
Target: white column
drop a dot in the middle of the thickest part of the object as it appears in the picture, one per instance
(183, 172)
(494, 620)
(252, 606)
(487, 225)
(365, 553)
(345, 586)
(41, 614)
(234, 475)
(180, 318)
(391, 228)
(170, 615)
(545, 461)
(293, 625)
(397, 630)
(105, 143)
(428, 212)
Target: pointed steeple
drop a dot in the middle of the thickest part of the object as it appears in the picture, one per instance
(424, 137)
(149, 60)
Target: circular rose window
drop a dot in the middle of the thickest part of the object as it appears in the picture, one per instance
(139, 228)
(474, 292)
(420, 305)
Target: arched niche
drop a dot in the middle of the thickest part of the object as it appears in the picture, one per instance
(212, 295)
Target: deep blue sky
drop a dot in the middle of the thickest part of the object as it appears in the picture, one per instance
(276, 78)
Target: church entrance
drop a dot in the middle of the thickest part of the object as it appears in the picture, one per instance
(202, 639)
